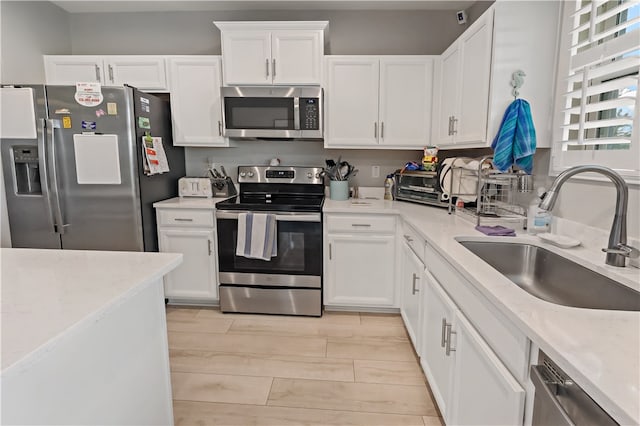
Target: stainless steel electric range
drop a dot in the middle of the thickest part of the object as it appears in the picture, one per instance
(290, 282)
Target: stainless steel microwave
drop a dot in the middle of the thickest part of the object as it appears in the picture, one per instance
(272, 112)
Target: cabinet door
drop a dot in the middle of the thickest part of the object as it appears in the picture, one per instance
(196, 277)
(246, 57)
(405, 101)
(142, 72)
(351, 101)
(196, 107)
(410, 307)
(360, 270)
(296, 57)
(446, 95)
(475, 44)
(439, 312)
(70, 69)
(485, 391)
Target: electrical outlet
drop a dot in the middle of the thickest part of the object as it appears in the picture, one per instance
(375, 171)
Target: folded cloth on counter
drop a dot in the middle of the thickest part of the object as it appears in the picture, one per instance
(496, 231)
(257, 237)
(515, 142)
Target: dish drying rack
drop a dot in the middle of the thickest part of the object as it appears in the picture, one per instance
(494, 192)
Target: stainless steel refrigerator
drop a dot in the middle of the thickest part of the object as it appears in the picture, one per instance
(73, 166)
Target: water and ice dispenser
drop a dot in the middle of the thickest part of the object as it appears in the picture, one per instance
(26, 170)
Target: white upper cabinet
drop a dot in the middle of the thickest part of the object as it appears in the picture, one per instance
(473, 76)
(196, 107)
(69, 69)
(141, 71)
(378, 101)
(278, 53)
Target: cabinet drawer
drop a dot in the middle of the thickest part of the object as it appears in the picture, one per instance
(509, 343)
(186, 217)
(411, 237)
(361, 223)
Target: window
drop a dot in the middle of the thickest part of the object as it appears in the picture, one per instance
(597, 118)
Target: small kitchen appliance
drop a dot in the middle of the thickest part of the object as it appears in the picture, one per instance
(195, 187)
(291, 282)
(272, 112)
(420, 187)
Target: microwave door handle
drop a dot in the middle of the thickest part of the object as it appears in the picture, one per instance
(296, 113)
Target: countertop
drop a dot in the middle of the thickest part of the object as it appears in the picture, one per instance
(46, 293)
(599, 349)
(189, 203)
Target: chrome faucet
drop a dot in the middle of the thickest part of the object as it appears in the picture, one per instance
(618, 250)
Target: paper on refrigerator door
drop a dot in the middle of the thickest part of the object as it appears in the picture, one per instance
(97, 159)
(156, 158)
(17, 113)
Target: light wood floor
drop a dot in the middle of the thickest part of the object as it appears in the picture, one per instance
(341, 369)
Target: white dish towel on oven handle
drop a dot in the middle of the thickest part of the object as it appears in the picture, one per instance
(257, 237)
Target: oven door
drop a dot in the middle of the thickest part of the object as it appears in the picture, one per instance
(298, 262)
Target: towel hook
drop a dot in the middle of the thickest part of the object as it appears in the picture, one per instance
(517, 80)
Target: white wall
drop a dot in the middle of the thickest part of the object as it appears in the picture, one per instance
(28, 30)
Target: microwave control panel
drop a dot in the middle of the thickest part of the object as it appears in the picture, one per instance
(309, 114)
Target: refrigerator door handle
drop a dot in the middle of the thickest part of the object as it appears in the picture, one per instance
(59, 224)
(44, 170)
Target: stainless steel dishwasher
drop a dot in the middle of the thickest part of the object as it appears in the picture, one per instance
(559, 401)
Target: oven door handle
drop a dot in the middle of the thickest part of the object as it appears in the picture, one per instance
(280, 216)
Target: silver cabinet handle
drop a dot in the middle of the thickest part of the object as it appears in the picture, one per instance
(267, 64)
(415, 290)
(361, 225)
(450, 124)
(98, 73)
(219, 128)
(375, 130)
(443, 338)
(179, 219)
(408, 238)
(454, 125)
(273, 67)
(448, 349)
(111, 73)
(382, 130)
(210, 251)
(329, 251)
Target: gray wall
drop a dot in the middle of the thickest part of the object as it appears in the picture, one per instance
(28, 30)
(350, 32)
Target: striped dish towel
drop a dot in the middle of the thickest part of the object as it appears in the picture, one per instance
(515, 142)
(257, 237)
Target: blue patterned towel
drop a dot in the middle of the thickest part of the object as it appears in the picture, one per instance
(515, 142)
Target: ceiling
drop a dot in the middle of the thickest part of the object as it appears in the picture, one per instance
(106, 6)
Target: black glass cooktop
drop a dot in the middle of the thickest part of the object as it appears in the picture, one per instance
(273, 202)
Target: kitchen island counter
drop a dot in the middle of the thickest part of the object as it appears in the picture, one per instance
(76, 322)
(599, 349)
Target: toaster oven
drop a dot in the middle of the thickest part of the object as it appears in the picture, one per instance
(420, 187)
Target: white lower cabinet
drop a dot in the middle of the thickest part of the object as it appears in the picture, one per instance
(191, 233)
(470, 383)
(359, 269)
(411, 288)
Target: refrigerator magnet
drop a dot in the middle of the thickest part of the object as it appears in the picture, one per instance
(89, 125)
(143, 123)
(66, 122)
(144, 104)
(100, 113)
(112, 108)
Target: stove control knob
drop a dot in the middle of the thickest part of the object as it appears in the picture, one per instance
(309, 175)
(317, 175)
(251, 174)
(243, 174)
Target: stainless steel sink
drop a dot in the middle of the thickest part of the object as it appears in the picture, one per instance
(554, 278)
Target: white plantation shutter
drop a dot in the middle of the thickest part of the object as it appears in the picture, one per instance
(598, 86)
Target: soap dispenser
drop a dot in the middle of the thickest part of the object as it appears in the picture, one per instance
(538, 220)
